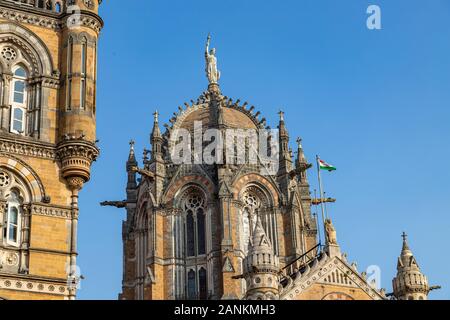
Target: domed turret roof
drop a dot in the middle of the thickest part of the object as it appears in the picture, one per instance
(206, 109)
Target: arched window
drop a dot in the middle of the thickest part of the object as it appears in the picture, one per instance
(201, 241)
(256, 203)
(203, 293)
(58, 7)
(12, 224)
(195, 225)
(69, 74)
(193, 205)
(252, 204)
(190, 229)
(192, 287)
(19, 100)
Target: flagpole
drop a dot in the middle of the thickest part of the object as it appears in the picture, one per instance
(321, 196)
(317, 218)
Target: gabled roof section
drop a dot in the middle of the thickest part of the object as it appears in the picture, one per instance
(328, 270)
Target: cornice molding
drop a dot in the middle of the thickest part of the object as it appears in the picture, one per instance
(18, 284)
(22, 147)
(25, 15)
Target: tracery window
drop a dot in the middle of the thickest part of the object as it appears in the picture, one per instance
(195, 225)
(256, 203)
(251, 206)
(10, 189)
(193, 211)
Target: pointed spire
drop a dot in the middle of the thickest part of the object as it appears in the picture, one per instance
(282, 127)
(156, 133)
(156, 138)
(281, 114)
(405, 243)
(259, 240)
(131, 165)
(406, 259)
(260, 265)
(300, 154)
(132, 154)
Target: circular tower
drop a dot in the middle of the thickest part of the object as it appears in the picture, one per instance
(410, 283)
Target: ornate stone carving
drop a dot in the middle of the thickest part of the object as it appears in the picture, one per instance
(5, 179)
(75, 183)
(34, 286)
(41, 210)
(26, 148)
(331, 232)
(95, 23)
(9, 54)
(11, 259)
(76, 156)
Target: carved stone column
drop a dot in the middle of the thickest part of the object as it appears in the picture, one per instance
(2, 218)
(4, 103)
(75, 184)
(25, 245)
(76, 156)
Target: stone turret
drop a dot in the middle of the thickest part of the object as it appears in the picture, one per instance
(261, 267)
(156, 138)
(285, 157)
(410, 283)
(131, 168)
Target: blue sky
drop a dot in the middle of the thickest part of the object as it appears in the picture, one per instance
(373, 103)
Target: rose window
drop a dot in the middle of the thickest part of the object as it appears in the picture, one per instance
(9, 54)
(5, 180)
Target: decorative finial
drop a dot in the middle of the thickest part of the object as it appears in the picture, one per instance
(132, 143)
(156, 116)
(299, 142)
(281, 114)
(404, 236)
(212, 72)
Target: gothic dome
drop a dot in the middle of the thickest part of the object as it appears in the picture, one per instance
(206, 110)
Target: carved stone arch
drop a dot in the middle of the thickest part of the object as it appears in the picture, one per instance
(263, 194)
(189, 189)
(31, 45)
(145, 193)
(27, 175)
(253, 179)
(143, 206)
(174, 188)
(84, 35)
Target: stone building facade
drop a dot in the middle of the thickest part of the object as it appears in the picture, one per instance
(48, 53)
(227, 229)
